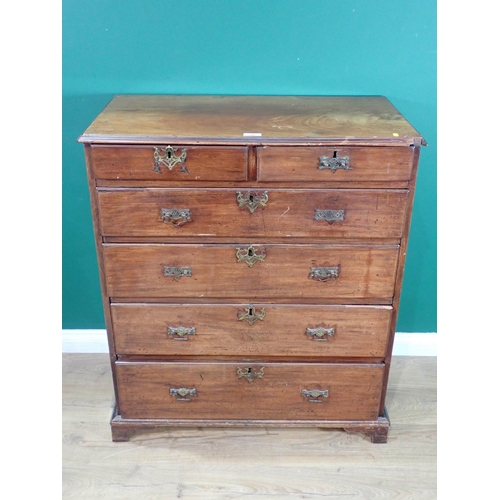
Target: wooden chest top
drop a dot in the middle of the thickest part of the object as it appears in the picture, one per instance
(349, 120)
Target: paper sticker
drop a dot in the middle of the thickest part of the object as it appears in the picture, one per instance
(252, 134)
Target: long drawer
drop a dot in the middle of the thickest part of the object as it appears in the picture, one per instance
(333, 164)
(302, 391)
(250, 271)
(250, 330)
(339, 213)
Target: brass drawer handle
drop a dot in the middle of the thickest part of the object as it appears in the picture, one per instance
(320, 333)
(330, 216)
(324, 273)
(176, 272)
(176, 216)
(250, 255)
(333, 163)
(181, 394)
(181, 332)
(252, 200)
(251, 315)
(249, 374)
(167, 157)
(314, 395)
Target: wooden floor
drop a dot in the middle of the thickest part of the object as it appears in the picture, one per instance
(248, 463)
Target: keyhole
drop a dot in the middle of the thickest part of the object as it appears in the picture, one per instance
(169, 154)
(250, 252)
(250, 311)
(334, 154)
(251, 198)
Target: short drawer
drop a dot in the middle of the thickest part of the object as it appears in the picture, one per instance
(306, 391)
(250, 272)
(329, 164)
(250, 330)
(335, 213)
(175, 163)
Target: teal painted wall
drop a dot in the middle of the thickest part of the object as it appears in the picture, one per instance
(272, 47)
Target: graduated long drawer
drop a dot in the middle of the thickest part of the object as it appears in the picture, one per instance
(340, 213)
(249, 391)
(223, 271)
(250, 330)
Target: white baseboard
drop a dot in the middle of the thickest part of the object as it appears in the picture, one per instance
(85, 341)
(415, 344)
(95, 341)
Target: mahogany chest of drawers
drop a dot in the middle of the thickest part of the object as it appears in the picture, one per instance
(251, 253)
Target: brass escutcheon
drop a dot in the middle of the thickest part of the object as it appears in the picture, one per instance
(249, 374)
(330, 216)
(250, 255)
(320, 333)
(181, 332)
(176, 216)
(333, 163)
(181, 394)
(176, 272)
(251, 315)
(314, 395)
(167, 157)
(324, 273)
(252, 200)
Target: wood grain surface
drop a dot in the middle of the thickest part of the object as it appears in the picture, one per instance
(250, 463)
(201, 163)
(138, 271)
(222, 392)
(142, 329)
(278, 164)
(251, 119)
(287, 213)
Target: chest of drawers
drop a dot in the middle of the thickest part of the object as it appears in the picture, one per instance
(251, 253)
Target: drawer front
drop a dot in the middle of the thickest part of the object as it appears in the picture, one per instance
(328, 164)
(182, 163)
(334, 213)
(249, 272)
(251, 330)
(249, 391)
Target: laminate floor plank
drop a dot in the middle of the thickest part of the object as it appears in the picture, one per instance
(247, 463)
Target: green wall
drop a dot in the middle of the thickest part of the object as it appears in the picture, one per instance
(272, 47)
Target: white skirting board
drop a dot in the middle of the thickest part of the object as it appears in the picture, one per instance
(95, 341)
